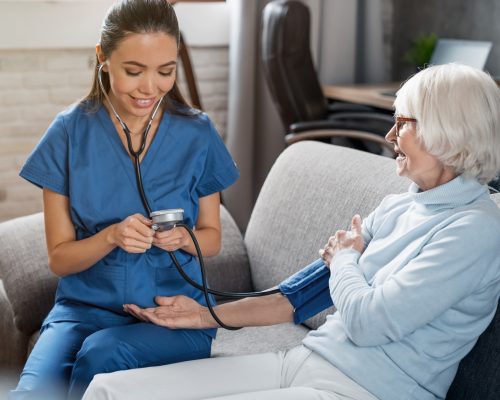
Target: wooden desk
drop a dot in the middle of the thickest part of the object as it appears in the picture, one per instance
(371, 95)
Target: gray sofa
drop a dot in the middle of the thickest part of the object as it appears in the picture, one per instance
(312, 190)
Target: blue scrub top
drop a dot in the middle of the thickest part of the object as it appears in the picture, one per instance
(81, 156)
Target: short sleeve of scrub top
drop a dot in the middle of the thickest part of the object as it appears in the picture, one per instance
(47, 165)
(220, 170)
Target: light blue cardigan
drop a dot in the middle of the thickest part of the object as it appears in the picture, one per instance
(414, 303)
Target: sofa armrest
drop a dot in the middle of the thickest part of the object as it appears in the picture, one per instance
(229, 270)
(28, 282)
(14, 343)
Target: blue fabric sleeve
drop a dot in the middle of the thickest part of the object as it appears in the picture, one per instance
(308, 291)
(220, 169)
(47, 165)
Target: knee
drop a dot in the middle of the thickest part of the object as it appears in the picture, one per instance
(102, 353)
(99, 353)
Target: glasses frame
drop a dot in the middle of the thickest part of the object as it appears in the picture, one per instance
(401, 120)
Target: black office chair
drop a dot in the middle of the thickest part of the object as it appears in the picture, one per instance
(295, 89)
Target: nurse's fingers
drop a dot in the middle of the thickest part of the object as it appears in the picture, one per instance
(171, 234)
(167, 244)
(139, 224)
(133, 235)
(172, 240)
(134, 246)
(141, 218)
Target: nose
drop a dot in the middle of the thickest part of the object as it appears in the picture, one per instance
(391, 135)
(147, 84)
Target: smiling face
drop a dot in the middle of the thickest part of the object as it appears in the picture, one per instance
(141, 70)
(414, 161)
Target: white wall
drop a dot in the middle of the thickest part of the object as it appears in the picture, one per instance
(338, 42)
(35, 24)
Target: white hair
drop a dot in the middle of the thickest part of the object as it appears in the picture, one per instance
(457, 109)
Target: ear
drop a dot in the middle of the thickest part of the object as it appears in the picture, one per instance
(100, 56)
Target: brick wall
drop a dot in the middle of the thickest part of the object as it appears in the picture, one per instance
(36, 84)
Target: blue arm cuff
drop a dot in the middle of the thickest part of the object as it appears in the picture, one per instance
(308, 291)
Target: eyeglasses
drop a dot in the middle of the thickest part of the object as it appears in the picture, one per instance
(400, 121)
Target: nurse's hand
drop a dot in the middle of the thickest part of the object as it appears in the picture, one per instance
(133, 234)
(171, 240)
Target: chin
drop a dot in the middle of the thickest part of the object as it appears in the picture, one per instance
(400, 171)
(140, 112)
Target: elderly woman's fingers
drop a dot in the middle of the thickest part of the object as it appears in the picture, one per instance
(135, 311)
(333, 240)
(356, 224)
(340, 235)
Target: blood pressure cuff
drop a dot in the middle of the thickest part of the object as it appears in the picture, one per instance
(308, 291)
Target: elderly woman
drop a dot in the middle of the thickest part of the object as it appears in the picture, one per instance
(414, 284)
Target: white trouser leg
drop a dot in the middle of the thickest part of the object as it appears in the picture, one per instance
(307, 376)
(291, 393)
(318, 373)
(199, 379)
(296, 374)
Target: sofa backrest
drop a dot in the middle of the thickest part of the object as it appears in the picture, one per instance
(312, 190)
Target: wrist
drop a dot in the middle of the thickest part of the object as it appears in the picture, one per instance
(188, 245)
(207, 321)
(109, 235)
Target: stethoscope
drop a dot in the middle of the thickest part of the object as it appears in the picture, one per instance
(135, 154)
(167, 219)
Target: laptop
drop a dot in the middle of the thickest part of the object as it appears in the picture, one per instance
(468, 52)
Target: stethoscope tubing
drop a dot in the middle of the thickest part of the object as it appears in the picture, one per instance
(137, 167)
(135, 154)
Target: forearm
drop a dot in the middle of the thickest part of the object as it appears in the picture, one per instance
(209, 240)
(78, 255)
(252, 311)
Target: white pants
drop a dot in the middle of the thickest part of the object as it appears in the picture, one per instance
(296, 374)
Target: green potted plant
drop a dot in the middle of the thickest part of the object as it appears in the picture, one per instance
(420, 51)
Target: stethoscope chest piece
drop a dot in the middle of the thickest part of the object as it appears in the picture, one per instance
(164, 220)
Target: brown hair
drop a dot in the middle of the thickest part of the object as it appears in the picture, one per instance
(136, 16)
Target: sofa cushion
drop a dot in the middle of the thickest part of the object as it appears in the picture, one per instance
(28, 282)
(299, 207)
(260, 339)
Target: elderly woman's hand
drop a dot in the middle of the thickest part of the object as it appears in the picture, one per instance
(177, 312)
(352, 239)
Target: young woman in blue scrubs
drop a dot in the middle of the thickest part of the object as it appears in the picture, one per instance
(99, 236)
